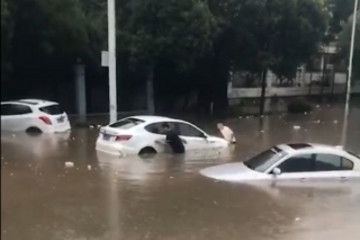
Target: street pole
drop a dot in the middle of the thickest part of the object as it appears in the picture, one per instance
(348, 87)
(112, 61)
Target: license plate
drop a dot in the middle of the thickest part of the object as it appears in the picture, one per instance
(60, 119)
(106, 137)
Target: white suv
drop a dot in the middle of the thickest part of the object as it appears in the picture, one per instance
(33, 115)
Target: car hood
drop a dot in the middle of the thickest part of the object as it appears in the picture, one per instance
(217, 139)
(231, 172)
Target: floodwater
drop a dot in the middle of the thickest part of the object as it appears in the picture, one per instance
(164, 198)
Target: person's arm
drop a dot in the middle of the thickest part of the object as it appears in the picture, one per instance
(232, 135)
(183, 140)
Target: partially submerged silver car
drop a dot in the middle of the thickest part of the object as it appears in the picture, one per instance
(296, 161)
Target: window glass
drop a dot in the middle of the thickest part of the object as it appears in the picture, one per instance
(52, 110)
(157, 127)
(346, 164)
(188, 131)
(331, 162)
(127, 123)
(266, 159)
(6, 109)
(300, 163)
(14, 109)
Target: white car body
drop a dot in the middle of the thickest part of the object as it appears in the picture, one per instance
(318, 162)
(131, 139)
(25, 114)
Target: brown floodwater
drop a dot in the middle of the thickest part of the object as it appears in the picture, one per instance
(164, 197)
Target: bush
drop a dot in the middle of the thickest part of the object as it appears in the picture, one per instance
(299, 106)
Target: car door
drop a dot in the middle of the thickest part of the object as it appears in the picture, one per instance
(156, 137)
(296, 168)
(194, 138)
(15, 117)
(6, 115)
(334, 167)
(317, 167)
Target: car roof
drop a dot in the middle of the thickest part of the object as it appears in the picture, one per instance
(307, 147)
(154, 119)
(31, 102)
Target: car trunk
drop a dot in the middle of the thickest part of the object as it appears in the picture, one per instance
(55, 114)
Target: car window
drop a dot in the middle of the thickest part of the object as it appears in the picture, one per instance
(188, 130)
(299, 163)
(331, 162)
(127, 123)
(157, 127)
(52, 109)
(266, 159)
(14, 109)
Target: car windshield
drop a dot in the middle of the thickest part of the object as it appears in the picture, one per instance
(266, 159)
(127, 123)
(52, 109)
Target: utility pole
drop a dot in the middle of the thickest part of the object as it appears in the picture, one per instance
(112, 61)
(348, 87)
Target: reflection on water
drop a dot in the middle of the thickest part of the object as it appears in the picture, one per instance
(163, 197)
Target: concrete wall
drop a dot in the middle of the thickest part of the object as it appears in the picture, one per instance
(283, 91)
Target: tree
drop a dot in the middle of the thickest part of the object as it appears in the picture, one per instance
(276, 35)
(156, 30)
(6, 35)
(344, 42)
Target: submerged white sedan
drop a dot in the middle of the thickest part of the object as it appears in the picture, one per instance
(297, 161)
(143, 134)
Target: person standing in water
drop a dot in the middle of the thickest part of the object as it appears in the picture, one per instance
(227, 133)
(173, 139)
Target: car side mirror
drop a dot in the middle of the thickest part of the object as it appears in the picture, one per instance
(276, 171)
(203, 135)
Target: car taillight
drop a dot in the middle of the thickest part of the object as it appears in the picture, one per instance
(46, 120)
(123, 137)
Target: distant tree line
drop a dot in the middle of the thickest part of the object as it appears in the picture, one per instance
(173, 47)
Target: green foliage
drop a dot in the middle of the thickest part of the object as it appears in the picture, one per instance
(344, 43)
(275, 34)
(6, 35)
(152, 30)
(43, 38)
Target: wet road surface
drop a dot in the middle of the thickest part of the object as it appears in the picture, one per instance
(104, 197)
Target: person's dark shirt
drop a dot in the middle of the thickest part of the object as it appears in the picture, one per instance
(175, 142)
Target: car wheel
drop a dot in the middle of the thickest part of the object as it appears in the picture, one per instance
(147, 151)
(33, 131)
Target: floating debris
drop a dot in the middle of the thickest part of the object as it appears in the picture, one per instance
(11, 174)
(13, 135)
(317, 106)
(69, 164)
(89, 167)
(297, 219)
(262, 131)
(296, 127)
(305, 113)
(171, 177)
(335, 121)
(91, 126)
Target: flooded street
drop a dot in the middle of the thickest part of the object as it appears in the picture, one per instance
(105, 197)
